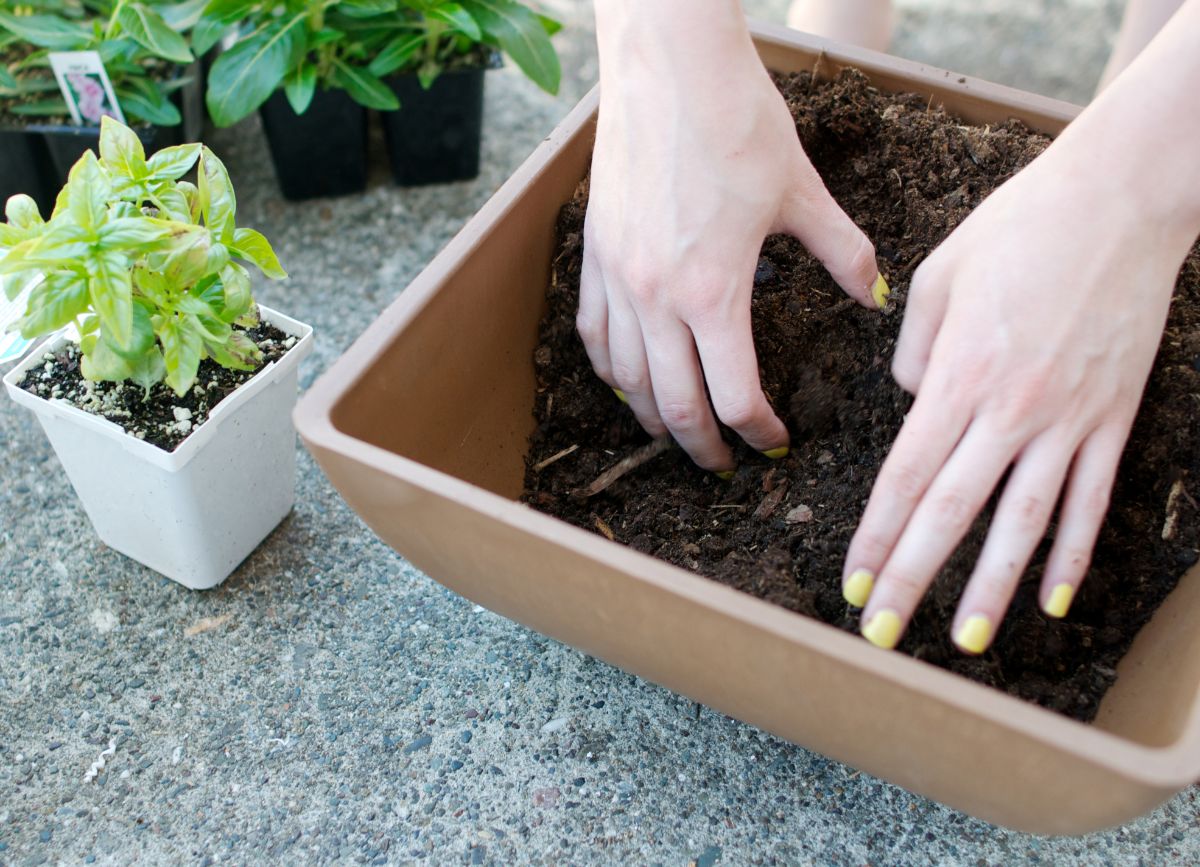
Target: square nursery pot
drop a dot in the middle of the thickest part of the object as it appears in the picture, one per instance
(433, 460)
(322, 152)
(195, 513)
(435, 136)
(37, 158)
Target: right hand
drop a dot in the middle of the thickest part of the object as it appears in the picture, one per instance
(696, 161)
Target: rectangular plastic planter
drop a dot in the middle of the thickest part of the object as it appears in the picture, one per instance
(195, 513)
(423, 424)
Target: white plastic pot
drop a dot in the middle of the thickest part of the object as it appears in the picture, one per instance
(195, 513)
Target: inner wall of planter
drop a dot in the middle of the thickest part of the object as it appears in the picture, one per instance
(463, 368)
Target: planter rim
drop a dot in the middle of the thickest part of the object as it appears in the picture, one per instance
(174, 460)
(1175, 764)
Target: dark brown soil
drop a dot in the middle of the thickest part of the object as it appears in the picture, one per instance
(163, 419)
(778, 530)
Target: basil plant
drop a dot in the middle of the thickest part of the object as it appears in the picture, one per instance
(352, 45)
(138, 42)
(150, 269)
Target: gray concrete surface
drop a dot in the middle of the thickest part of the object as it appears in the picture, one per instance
(345, 708)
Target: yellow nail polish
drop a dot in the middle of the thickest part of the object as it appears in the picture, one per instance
(620, 395)
(725, 475)
(883, 629)
(776, 454)
(857, 589)
(880, 292)
(1060, 600)
(975, 634)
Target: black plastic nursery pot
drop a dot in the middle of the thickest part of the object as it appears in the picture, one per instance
(25, 168)
(434, 138)
(322, 152)
(66, 144)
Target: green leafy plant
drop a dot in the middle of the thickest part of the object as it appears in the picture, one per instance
(353, 45)
(139, 42)
(145, 265)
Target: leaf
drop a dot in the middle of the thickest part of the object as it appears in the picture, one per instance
(551, 25)
(205, 320)
(42, 108)
(111, 290)
(46, 31)
(62, 240)
(141, 340)
(206, 34)
(181, 353)
(182, 17)
(193, 257)
(53, 303)
(363, 87)
(458, 18)
(217, 201)
(7, 82)
(101, 363)
(236, 284)
(142, 99)
(522, 36)
(396, 54)
(87, 191)
(366, 8)
(174, 162)
(149, 370)
(150, 31)
(22, 211)
(243, 77)
(252, 246)
(121, 151)
(238, 352)
(139, 233)
(300, 86)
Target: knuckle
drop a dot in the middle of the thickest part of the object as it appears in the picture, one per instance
(742, 412)
(906, 481)
(681, 416)
(590, 329)
(630, 378)
(871, 547)
(907, 372)
(1031, 513)
(954, 509)
(1095, 503)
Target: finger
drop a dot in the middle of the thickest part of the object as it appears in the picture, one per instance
(1018, 526)
(731, 369)
(938, 524)
(591, 319)
(1081, 517)
(927, 438)
(924, 310)
(630, 369)
(679, 391)
(811, 214)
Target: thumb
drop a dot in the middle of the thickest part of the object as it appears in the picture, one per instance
(811, 215)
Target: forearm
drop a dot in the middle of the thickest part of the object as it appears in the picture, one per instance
(1140, 139)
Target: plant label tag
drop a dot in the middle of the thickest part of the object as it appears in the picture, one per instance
(85, 87)
(12, 344)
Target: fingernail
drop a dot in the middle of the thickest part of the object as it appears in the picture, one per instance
(1060, 600)
(857, 588)
(880, 292)
(776, 454)
(975, 634)
(725, 475)
(883, 629)
(620, 395)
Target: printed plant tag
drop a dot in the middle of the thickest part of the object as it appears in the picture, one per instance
(85, 87)
(12, 344)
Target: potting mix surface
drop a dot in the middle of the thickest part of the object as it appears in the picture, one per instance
(161, 417)
(907, 174)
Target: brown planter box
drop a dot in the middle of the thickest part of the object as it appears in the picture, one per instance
(422, 425)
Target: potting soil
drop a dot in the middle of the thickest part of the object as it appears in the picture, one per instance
(907, 174)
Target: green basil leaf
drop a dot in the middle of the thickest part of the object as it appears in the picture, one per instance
(363, 87)
(150, 31)
(237, 352)
(101, 363)
(396, 54)
(174, 162)
(54, 302)
(243, 77)
(181, 352)
(22, 211)
(252, 246)
(522, 36)
(205, 320)
(111, 289)
(300, 86)
(121, 151)
(139, 233)
(62, 240)
(217, 201)
(458, 18)
(88, 188)
(141, 340)
(235, 281)
(148, 370)
(46, 31)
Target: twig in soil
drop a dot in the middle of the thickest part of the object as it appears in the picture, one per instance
(836, 309)
(557, 456)
(771, 502)
(1170, 525)
(605, 530)
(631, 462)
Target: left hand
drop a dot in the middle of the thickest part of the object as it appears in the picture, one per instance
(1028, 338)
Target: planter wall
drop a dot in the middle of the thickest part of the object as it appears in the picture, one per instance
(435, 136)
(322, 152)
(195, 513)
(438, 480)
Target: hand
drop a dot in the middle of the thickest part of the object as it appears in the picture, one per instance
(696, 161)
(1028, 338)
